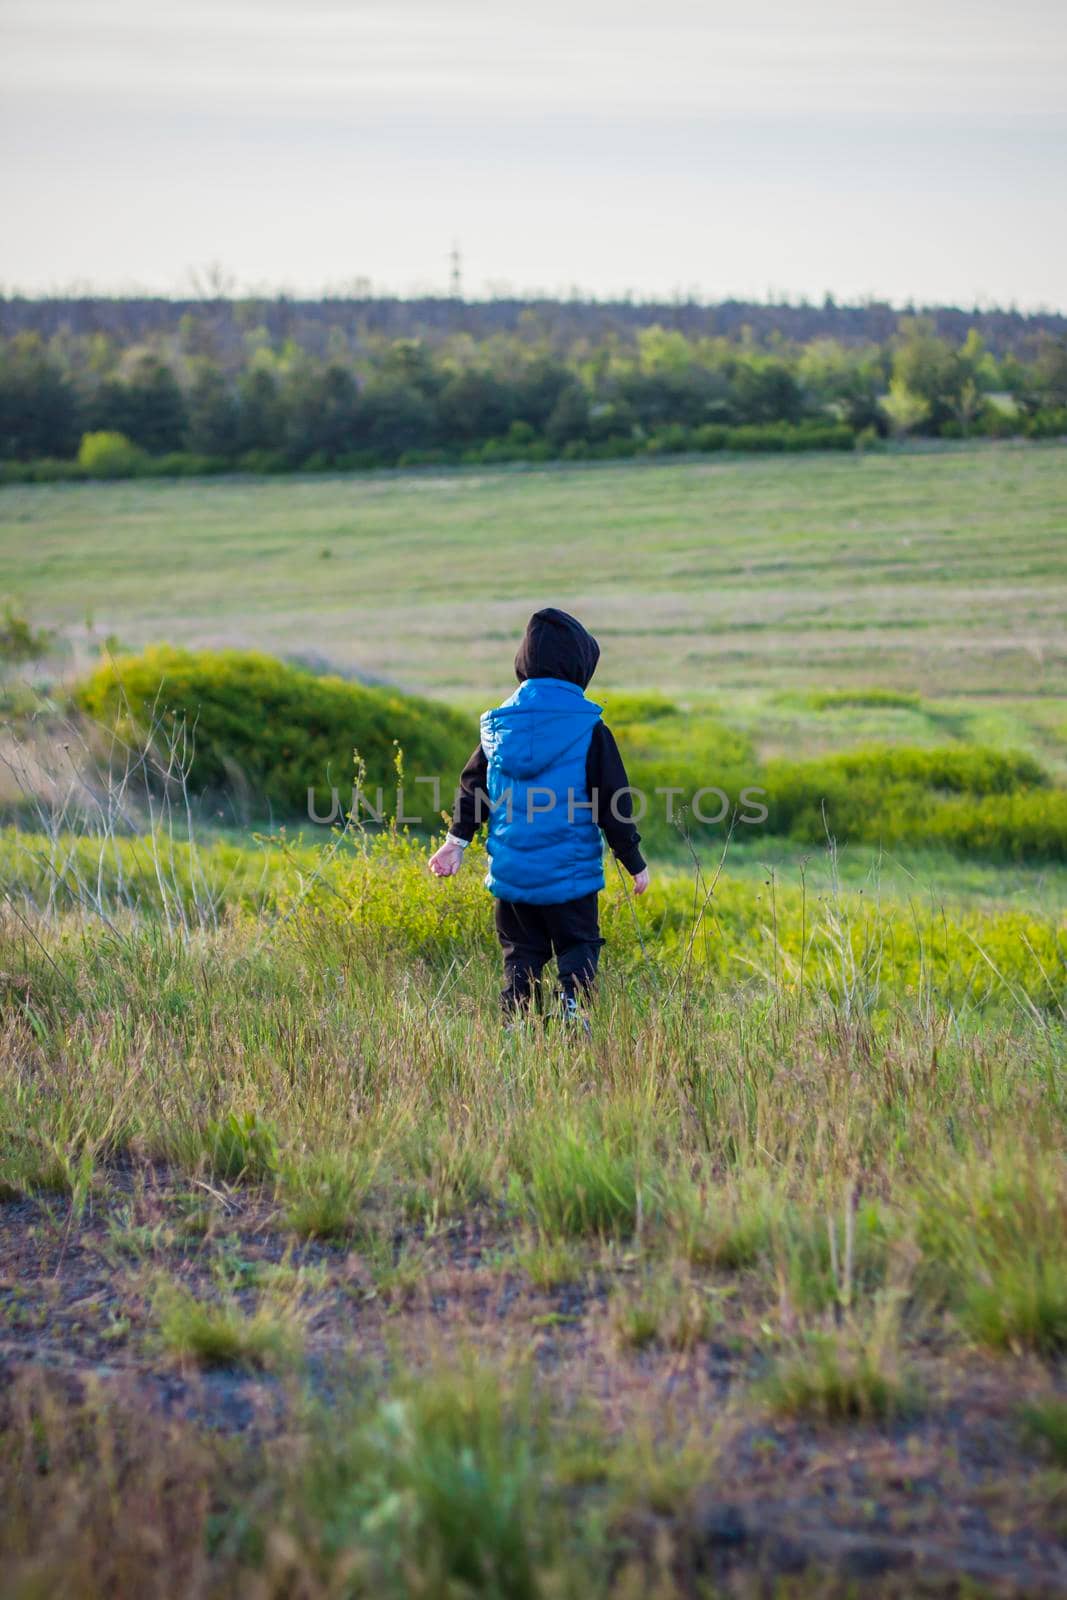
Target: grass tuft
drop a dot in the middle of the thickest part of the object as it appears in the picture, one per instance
(241, 1147)
(588, 1178)
(994, 1238)
(41, 1163)
(1045, 1423)
(219, 1333)
(450, 1170)
(323, 1194)
(445, 1479)
(667, 1308)
(852, 1374)
(549, 1263)
(723, 1225)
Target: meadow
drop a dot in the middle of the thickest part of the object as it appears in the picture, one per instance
(938, 572)
(314, 1282)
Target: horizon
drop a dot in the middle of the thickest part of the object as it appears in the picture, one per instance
(377, 294)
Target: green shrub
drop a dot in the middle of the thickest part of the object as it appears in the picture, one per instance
(1048, 424)
(621, 708)
(444, 1488)
(263, 461)
(691, 750)
(183, 464)
(669, 440)
(425, 458)
(358, 461)
(501, 451)
(758, 437)
(667, 785)
(53, 471)
(993, 422)
(109, 455)
(961, 769)
(666, 749)
(775, 436)
(1028, 826)
(46, 469)
(20, 641)
(990, 802)
(888, 699)
(277, 729)
(712, 436)
(822, 436)
(240, 1147)
(614, 448)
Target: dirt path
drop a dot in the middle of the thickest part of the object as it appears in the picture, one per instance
(954, 1496)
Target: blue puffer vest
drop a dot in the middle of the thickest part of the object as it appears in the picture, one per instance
(541, 851)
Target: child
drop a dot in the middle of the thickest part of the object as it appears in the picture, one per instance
(549, 776)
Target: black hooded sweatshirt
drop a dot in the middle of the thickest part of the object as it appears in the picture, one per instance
(555, 645)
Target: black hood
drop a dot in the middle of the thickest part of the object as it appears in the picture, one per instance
(555, 645)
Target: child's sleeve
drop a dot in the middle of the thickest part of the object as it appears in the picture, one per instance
(471, 807)
(609, 788)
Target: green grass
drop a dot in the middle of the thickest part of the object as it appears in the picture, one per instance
(854, 1374)
(692, 1169)
(1045, 1423)
(587, 1178)
(995, 1236)
(939, 574)
(727, 1225)
(240, 1147)
(925, 877)
(794, 932)
(835, 699)
(667, 1307)
(323, 1192)
(220, 1333)
(819, 1126)
(550, 1260)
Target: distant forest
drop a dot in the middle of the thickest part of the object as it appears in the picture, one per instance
(561, 323)
(125, 387)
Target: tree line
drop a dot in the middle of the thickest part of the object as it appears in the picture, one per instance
(193, 401)
(314, 324)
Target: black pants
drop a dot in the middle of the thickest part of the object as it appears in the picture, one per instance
(531, 935)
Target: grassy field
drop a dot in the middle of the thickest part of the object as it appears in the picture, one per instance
(315, 1283)
(941, 573)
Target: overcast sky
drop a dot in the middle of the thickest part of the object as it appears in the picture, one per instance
(913, 150)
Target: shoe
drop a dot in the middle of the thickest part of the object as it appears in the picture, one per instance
(574, 1016)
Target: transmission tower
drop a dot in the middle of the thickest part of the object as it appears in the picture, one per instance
(455, 273)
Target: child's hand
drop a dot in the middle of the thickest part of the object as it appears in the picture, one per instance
(446, 862)
(641, 881)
